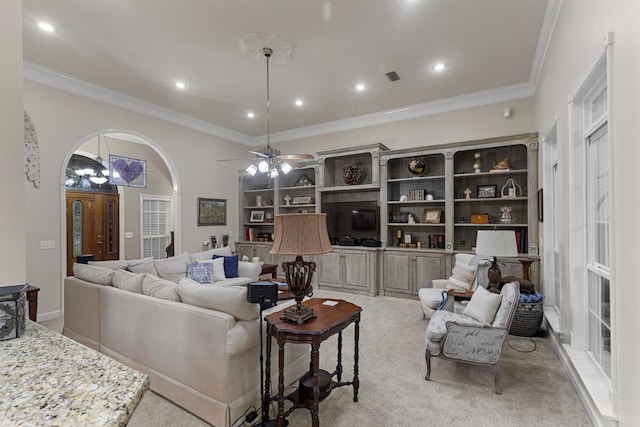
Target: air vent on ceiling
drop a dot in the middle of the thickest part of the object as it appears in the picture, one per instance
(392, 76)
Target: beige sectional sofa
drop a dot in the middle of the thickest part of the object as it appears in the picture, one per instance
(199, 343)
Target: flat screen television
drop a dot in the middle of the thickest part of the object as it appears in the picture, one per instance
(355, 219)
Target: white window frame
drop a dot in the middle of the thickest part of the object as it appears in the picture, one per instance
(169, 221)
(583, 124)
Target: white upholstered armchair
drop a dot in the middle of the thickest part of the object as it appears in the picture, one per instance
(477, 335)
(462, 278)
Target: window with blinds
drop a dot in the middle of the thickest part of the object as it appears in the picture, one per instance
(156, 225)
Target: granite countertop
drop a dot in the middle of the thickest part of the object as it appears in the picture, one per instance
(48, 379)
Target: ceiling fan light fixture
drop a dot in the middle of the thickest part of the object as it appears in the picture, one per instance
(274, 172)
(252, 169)
(263, 166)
(285, 167)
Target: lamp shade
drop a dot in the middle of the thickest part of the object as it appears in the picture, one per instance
(496, 243)
(301, 234)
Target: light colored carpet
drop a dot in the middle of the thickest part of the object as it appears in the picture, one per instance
(393, 392)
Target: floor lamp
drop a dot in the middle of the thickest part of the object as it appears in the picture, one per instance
(496, 243)
(300, 234)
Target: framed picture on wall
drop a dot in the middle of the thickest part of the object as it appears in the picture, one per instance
(431, 216)
(212, 211)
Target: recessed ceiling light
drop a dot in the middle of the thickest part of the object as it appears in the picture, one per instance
(181, 85)
(440, 66)
(45, 26)
(299, 102)
(250, 115)
(360, 87)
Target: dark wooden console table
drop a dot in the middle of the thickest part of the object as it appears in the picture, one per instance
(316, 384)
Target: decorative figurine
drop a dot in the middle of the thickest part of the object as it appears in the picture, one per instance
(467, 193)
(478, 164)
(287, 200)
(417, 166)
(502, 165)
(506, 214)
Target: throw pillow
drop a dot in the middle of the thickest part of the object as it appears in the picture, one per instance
(93, 274)
(201, 272)
(174, 268)
(128, 281)
(160, 288)
(230, 265)
(144, 265)
(218, 268)
(483, 305)
(228, 299)
(462, 276)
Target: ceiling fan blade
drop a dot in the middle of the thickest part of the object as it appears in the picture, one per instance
(259, 154)
(233, 160)
(296, 157)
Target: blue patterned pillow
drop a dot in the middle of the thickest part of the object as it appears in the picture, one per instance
(230, 265)
(200, 272)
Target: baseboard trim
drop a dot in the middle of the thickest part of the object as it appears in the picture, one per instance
(595, 415)
(49, 316)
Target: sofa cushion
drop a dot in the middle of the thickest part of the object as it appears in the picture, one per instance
(462, 276)
(143, 265)
(201, 272)
(483, 306)
(114, 265)
(437, 326)
(93, 273)
(174, 268)
(160, 288)
(230, 265)
(228, 299)
(128, 281)
(225, 251)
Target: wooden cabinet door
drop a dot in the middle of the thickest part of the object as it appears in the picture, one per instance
(356, 270)
(92, 226)
(398, 272)
(330, 269)
(427, 267)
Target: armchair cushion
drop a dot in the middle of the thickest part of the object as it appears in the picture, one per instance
(483, 306)
(462, 276)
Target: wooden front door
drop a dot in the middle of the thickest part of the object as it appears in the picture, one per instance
(92, 226)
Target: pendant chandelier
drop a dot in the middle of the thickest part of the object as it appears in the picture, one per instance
(98, 175)
(269, 161)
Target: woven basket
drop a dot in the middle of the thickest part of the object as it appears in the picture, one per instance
(527, 319)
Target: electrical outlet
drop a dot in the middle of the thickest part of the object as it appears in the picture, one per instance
(47, 244)
(128, 235)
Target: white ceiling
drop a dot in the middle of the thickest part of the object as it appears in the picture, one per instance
(137, 49)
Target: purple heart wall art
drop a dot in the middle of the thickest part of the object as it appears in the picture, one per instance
(127, 171)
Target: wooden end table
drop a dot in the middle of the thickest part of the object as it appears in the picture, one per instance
(270, 269)
(330, 320)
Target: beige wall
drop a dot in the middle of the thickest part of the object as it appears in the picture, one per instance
(473, 123)
(63, 122)
(580, 32)
(13, 207)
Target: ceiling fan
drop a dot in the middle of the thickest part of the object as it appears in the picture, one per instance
(270, 160)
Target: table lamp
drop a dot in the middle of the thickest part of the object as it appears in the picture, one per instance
(300, 234)
(496, 243)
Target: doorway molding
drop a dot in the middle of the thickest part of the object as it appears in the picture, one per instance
(136, 138)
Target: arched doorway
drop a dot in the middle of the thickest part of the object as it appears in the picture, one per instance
(162, 182)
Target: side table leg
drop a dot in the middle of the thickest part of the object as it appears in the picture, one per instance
(281, 419)
(267, 382)
(339, 366)
(356, 380)
(315, 356)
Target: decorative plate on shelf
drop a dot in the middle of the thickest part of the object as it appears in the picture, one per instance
(417, 166)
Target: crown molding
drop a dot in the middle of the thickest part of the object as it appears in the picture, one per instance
(69, 83)
(544, 39)
(476, 99)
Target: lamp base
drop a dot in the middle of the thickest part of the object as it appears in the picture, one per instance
(298, 314)
(494, 275)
